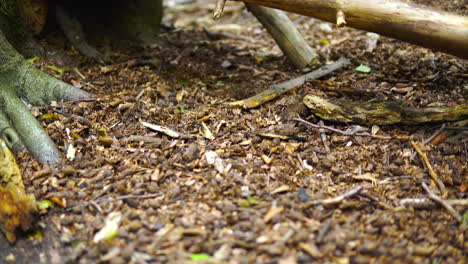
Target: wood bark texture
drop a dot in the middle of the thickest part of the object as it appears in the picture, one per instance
(392, 18)
(286, 35)
(368, 113)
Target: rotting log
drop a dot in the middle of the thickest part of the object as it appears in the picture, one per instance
(286, 35)
(409, 22)
(387, 113)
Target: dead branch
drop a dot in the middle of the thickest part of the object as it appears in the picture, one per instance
(386, 113)
(276, 90)
(345, 133)
(286, 35)
(426, 203)
(405, 21)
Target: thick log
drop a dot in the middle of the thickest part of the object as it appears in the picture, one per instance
(392, 18)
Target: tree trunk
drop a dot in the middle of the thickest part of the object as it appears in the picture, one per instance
(392, 18)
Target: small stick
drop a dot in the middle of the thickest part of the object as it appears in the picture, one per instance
(442, 202)
(299, 119)
(219, 9)
(337, 199)
(431, 171)
(426, 203)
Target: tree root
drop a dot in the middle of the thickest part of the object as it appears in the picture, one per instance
(20, 79)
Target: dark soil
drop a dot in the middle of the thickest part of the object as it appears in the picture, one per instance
(262, 203)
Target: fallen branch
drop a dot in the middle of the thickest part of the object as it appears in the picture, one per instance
(346, 133)
(386, 113)
(392, 18)
(442, 202)
(426, 203)
(276, 90)
(286, 35)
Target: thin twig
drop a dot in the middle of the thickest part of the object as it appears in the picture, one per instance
(324, 230)
(337, 199)
(431, 171)
(427, 141)
(442, 202)
(426, 203)
(345, 133)
(457, 128)
(440, 130)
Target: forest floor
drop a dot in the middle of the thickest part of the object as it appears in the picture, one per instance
(245, 196)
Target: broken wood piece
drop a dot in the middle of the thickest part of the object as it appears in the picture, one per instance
(286, 35)
(402, 20)
(386, 113)
(442, 202)
(162, 129)
(277, 89)
(272, 212)
(431, 171)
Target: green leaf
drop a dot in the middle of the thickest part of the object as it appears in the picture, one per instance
(199, 257)
(252, 201)
(363, 68)
(61, 71)
(45, 204)
(33, 59)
